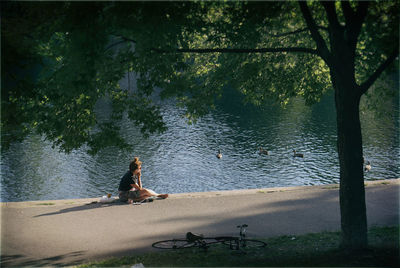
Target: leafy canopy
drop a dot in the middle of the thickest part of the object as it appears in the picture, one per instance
(60, 59)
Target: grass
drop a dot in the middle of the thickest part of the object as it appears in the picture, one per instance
(311, 250)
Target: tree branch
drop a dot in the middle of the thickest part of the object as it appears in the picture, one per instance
(322, 49)
(369, 82)
(296, 32)
(354, 17)
(239, 50)
(114, 44)
(128, 39)
(348, 12)
(124, 39)
(356, 25)
(331, 14)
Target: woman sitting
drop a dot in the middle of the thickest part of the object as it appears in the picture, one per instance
(130, 188)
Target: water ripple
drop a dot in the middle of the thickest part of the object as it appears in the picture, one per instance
(183, 159)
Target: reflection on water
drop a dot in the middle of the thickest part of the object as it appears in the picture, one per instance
(183, 159)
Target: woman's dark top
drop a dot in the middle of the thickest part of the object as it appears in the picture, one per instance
(126, 181)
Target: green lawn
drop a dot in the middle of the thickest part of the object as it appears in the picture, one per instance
(313, 250)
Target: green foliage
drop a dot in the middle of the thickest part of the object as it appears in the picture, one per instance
(311, 250)
(59, 59)
(379, 37)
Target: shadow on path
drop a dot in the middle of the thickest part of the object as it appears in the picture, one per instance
(87, 206)
(58, 260)
(267, 214)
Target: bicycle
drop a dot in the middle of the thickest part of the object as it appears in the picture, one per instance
(192, 240)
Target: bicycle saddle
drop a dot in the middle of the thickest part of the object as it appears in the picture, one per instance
(193, 237)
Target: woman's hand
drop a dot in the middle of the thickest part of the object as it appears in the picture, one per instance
(136, 186)
(140, 181)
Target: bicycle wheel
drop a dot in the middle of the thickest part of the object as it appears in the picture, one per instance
(233, 243)
(210, 240)
(173, 244)
(230, 241)
(252, 243)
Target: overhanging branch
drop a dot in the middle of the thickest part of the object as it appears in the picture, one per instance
(239, 50)
(331, 14)
(124, 40)
(115, 44)
(369, 82)
(296, 32)
(348, 12)
(322, 49)
(354, 20)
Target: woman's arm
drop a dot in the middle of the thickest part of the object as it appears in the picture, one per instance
(136, 186)
(140, 181)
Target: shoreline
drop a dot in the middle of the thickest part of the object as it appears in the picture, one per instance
(80, 201)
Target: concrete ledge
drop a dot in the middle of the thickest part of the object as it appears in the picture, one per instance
(81, 201)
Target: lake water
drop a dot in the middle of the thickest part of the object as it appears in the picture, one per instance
(183, 159)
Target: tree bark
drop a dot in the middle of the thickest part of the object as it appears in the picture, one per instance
(349, 143)
(340, 60)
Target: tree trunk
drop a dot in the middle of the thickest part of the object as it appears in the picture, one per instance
(349, 142)
(340, 57)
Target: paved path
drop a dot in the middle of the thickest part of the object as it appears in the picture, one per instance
(67, 232)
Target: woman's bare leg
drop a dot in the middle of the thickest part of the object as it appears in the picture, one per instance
(151, 192)
(163, 196)
(147, 193)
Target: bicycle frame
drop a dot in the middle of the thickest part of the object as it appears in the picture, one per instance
(239, 241)
(235, 243)
(192, 240)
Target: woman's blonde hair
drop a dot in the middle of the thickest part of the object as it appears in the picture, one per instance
(135, 163)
